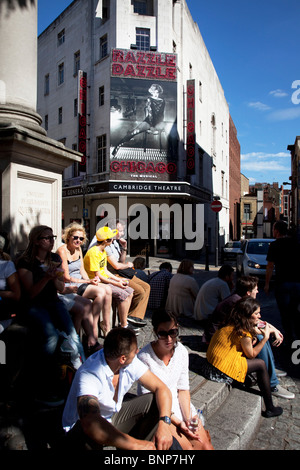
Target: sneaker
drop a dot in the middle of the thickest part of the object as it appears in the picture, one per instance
(136, 321)
(281, 392)
(131, 327)
(280, 373)
(276, 411)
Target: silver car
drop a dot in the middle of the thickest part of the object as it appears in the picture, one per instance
(253, 260)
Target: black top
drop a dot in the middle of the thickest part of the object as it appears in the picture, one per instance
(285, 254)
(49, 292)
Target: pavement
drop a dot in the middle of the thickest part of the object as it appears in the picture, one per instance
(233, 416)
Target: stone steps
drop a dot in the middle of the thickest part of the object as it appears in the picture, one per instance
(232, 415)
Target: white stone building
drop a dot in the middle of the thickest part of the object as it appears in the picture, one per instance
(97, 63)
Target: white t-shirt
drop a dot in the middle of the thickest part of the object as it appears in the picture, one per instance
(94, 377)
(175, 375)
(7, 268)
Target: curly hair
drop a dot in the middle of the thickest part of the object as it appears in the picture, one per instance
(70, 229)
(240, 315)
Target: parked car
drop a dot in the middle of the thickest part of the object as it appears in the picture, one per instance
(253, 259)
(230, 251)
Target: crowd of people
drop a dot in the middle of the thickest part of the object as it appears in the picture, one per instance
(66, 298)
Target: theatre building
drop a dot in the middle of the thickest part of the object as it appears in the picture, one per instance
(130, 85)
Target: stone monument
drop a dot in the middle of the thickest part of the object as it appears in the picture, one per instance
(31, 164)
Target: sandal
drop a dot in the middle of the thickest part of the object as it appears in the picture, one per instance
(92, 349)
(103, 329)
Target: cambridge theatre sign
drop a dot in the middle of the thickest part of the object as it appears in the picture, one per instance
(143, 116)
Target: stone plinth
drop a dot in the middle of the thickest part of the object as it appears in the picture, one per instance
(31, 167)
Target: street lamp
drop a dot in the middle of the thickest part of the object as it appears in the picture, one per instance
(84, 185)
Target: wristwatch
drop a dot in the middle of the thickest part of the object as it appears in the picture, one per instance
(166, 419)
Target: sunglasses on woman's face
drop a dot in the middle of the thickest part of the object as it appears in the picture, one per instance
(162, 334)
(75, 237)
(49, 238)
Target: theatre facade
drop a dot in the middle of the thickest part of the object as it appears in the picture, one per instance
(120, 83)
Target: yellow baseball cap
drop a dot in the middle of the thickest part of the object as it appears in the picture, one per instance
(104, 233)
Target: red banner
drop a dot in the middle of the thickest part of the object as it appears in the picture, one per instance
(190, 139)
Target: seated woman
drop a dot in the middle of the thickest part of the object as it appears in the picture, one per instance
(168, 360)
(183, 290)
(42, 311)
(9, 288)
(75, 275)
(232, 351)
(95, 264)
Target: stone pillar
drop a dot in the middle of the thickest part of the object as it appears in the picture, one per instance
(18, 59)
(31, 164)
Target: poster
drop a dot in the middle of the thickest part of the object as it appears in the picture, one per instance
(143, 117)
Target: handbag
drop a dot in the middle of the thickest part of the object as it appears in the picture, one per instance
(127, 272)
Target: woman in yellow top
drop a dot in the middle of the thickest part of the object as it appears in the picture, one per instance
(233, 349)
(95, 264)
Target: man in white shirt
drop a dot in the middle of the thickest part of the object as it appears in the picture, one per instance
(95, 414)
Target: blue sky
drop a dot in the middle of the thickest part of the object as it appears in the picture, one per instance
(254, 47)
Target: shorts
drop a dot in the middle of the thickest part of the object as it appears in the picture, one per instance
(119, 294)
(68, 300)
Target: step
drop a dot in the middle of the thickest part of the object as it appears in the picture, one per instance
(234, 424)
(232, 415)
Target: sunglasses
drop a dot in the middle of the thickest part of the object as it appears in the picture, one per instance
(164, 334)
(108, 240)
(75, 237)
(49, 238)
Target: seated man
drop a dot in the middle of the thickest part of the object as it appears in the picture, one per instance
(116, 257)
(95, 414)
(211, 293)
(159, 283)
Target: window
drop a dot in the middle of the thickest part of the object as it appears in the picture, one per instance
(140, 7)
(47, 84)
(46, 122)
(143, 39)
(75, 107)
(61, 73)
(247, 212)
(200, 91)
(105, 10)
(61, 38)
(76, 62)
(101, 96)
(60, 110)
(101, 153)
(103, 46)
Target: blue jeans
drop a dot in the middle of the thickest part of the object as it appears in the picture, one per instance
(47, 321)
(287, 296)
(266, 354)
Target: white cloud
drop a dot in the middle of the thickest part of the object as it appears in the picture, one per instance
(287, 114)
(278, 93)
(256, 156)
(259, 166)
(258, 105)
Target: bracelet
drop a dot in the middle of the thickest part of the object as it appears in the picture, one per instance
(123, 249)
